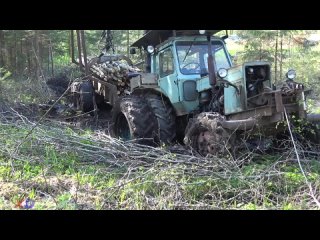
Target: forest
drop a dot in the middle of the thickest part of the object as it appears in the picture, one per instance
(56, 155)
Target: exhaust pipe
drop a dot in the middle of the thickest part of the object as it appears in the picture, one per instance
(246, 124)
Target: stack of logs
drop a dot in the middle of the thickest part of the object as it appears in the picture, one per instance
(115, 72)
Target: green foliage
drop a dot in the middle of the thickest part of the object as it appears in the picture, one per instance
(23, 50)
(4, 74)
(281, 48)
(65, 202)
(5, 172)
(250, 206)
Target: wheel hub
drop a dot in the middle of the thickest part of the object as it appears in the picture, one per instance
(206, 143)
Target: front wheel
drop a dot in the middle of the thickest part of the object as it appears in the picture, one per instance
(205, 134)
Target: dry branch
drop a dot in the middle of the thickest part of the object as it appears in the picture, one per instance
(168, 166)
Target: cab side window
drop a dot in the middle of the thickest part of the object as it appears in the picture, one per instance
(166, 63)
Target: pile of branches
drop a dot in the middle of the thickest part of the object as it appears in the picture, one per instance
(183, 179)
(117, 73)
(104, 148)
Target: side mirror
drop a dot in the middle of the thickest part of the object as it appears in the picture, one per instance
(132, 51)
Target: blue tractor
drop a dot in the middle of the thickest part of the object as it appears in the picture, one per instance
(189, 91)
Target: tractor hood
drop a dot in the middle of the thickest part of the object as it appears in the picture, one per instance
(234, 75)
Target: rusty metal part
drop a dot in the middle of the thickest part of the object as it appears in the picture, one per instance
(245, 124)
(279, 103)
(107, 90)
(291, 87)
(272, 111)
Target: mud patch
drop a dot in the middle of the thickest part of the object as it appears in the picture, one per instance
(58, 84)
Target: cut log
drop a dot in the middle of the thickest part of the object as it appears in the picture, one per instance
(114, 72)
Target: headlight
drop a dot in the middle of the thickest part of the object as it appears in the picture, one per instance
(202, 32)
(291, 74)
(150, 49)
(222, 72)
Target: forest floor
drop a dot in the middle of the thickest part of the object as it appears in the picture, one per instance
(68, 160)
(62, 164)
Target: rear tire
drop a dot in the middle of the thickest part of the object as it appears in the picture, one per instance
(166, 122)
(86, 97)
(133, 118)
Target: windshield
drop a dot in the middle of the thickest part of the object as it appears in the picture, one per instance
(192, 56)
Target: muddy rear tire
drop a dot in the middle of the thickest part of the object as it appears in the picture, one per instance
(205, 134)
(134, 119)
(86, 97)
(165, 117)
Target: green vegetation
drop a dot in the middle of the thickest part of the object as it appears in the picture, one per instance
(57, 173)
(285, 49)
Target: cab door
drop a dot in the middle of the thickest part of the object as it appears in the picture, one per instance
(168, 75)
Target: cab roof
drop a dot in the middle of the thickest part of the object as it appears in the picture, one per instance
(155, 37)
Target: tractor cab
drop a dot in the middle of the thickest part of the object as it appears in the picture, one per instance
(182, 64)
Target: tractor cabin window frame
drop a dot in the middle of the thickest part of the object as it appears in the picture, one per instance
(166, 63)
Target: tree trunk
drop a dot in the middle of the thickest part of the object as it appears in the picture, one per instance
(27, 47)
(281, 51)
(51, 58)
(260, 50)
(128, 43)
(84, 50)
(22, 58)
(15, 54)
(40, 50)
(79, 50)
(276, 59)
(36, 52)
(72, 47)
(12, 59)
(1, 48)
